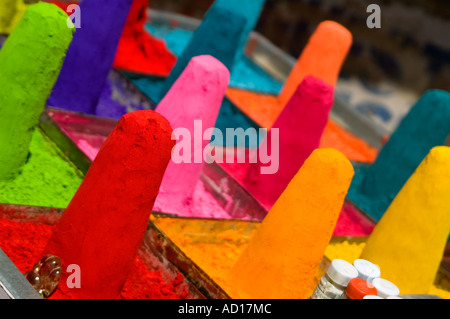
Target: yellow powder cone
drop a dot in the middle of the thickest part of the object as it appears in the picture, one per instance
(409, 241)
(322, 58)
(283, 256)
(11, 11)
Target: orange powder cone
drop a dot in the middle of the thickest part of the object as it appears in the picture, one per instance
(283, 256)
(322, 57)
(409, 241)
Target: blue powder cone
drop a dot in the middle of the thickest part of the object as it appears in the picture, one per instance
(426, 126)
(219, 35)
(250, 9)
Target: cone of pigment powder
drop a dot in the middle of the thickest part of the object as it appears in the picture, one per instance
(284, 254)
(103, 226)
(250, 9)
(138, 51)
(427, 125)
(300, 126)
(30, 61)
(91, 55)
(219, 35)
(322, 58)
(409, 241)
(196, 96)
(11, 11)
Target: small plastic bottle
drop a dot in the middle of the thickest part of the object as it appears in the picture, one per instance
(359, 288)
(386, 288)
(333, 284)
(367, 270)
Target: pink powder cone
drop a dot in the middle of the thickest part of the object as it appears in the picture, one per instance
(196, 97)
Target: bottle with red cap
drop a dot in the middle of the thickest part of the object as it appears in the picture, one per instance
(358, 289)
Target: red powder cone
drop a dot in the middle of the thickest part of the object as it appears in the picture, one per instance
(63, 5)
(300, 125)
(103, 226)
(138, 51)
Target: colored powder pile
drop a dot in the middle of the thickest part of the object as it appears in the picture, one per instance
(215, 246)
(48, 179)
(138, 51)
(11, 11)
(247, 75)
(295, 233)
(118, 98)
(204, 205)
(352, 222)
(23, 242)
(348, 249)
(41, 36)
(105, 222)
(427, 125)
(90, 55)
(353, 147)
(410, 238)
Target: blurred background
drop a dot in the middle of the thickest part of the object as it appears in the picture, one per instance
(412, 48)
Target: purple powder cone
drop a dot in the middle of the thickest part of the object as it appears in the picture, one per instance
(91, 55)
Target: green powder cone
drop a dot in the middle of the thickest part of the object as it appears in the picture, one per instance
(30, 62)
